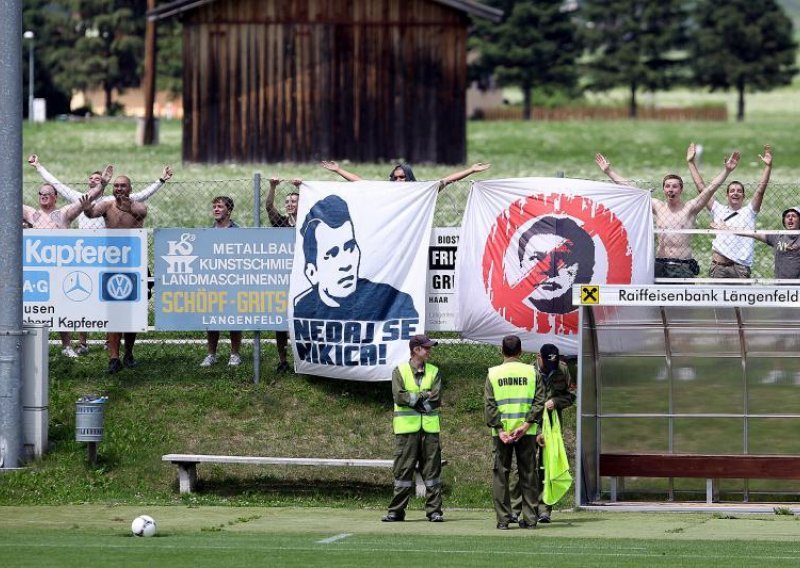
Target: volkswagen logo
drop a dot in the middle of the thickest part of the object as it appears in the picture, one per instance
(119, 287)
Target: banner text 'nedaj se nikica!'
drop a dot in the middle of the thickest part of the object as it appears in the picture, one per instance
(357, 291)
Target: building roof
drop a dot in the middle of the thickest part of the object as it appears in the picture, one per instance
(467, 6)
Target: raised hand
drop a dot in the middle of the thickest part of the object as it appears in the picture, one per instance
(732, 161)
(767, 157)
(167, 173)
(297, 182)
(332, 166)
(274, 181)
(107, 174)
(86, 202)
(480, 167)
(124, 204)
(602, 162)
(691, 152)
(33, 160)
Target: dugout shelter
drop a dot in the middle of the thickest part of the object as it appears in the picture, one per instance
(688, 395)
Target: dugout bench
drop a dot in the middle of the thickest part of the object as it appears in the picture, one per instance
(187, 466)
(709, 467)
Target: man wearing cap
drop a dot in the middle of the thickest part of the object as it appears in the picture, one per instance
(559, 393)
(416, 390)
(514, 403)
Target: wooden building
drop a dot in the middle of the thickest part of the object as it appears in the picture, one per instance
(302, 80)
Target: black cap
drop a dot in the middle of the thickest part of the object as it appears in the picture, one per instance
(421, 341)
(549, 353)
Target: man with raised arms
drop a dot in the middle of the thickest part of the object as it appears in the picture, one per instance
(674, 252)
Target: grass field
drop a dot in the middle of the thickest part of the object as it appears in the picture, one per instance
(248, 516)
(248, 536)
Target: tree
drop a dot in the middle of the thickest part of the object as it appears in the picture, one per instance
(743, 45)
(633, 44)
(535, 45)
(53, 29)
(109, 48)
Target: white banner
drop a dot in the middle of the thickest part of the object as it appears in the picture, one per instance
(525, 242)
(441, 314)
(357, 289)
(85, 280)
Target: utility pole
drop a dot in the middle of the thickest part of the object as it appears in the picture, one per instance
(149, 86)
(11, 234)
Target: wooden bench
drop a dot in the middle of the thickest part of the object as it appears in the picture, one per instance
(187, 466)
(710, 467)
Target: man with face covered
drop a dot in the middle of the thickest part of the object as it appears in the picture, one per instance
(555, 253)
(332, 258)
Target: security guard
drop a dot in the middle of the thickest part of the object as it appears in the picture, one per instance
(514, 406)
(559, 393)
(416, 389)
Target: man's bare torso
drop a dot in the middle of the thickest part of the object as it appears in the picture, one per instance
(39, 219)
(666, 217)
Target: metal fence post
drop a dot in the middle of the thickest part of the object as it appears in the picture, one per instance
(256, 223)
(11, 445)
(560, 174)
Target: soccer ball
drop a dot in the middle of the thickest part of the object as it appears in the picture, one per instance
(143, 525)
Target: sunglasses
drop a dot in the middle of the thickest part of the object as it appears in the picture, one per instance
(46, 194)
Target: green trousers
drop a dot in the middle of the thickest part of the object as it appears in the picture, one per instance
(409, 450)
(516, 492)
(525, 452)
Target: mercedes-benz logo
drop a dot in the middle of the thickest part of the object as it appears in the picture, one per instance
(77, 286)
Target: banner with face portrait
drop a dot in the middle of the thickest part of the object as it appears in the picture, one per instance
(525, 242)
(357, 288)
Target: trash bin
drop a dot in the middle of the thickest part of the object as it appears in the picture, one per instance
(89, 419)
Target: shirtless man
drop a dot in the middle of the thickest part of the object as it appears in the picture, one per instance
(50, 217)
(732, 256)
(674, 253)
(97, 183)
(95, 178)
(119, 213)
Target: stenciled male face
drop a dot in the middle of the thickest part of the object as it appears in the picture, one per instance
(545, 259)
(336, 269)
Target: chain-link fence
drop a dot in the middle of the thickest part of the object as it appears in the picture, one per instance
(727, 239)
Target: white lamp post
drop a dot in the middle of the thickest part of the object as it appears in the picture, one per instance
(29, 35)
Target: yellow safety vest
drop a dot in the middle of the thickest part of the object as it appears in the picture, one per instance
(514, 385)
(406, 419)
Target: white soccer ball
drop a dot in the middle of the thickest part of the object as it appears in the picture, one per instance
(143, 525)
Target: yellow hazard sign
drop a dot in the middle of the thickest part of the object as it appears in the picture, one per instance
(590, 294)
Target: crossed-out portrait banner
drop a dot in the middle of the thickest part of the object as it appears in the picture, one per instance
(526, 241)
(357, 290)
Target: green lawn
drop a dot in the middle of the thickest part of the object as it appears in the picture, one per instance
(247, 536)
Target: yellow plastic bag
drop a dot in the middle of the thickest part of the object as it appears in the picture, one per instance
(557, 479)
